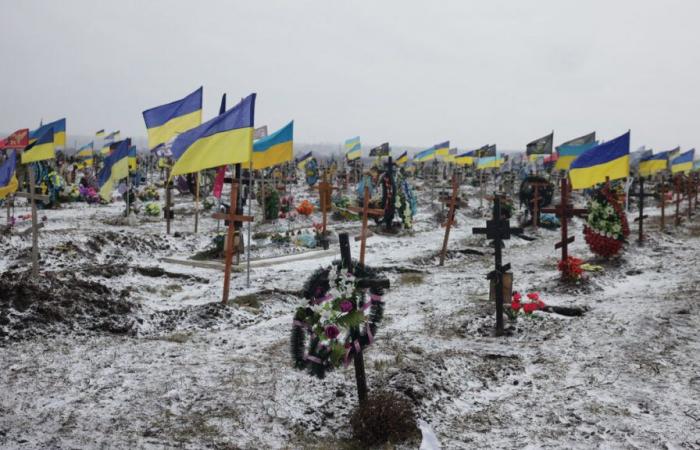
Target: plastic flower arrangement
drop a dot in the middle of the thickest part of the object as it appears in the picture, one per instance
(531, 303)
(150, 192)
(89, 194)
(571, 269)
(606, 225)
(305, 208)
(152, 209)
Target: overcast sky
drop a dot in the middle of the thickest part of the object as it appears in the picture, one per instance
(407, 72)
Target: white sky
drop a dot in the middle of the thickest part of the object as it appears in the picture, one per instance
(407, 72)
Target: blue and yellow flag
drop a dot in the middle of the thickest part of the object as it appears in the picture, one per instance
(59, 131)
(489, 162)
(466, 159)
(402, 159)
(41, 148)
(133, 165)
(85, 155)
(277, 148)
(655, 163)
(570, 150)
(442, 149)
(301, 162)
(225, 139)
(425, 155)
(8, 179)
(683, 163)
(116, 167)
(608, 160)
(167, 121)
(100, 133)
(353, 148)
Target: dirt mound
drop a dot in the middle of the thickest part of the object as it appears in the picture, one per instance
(59, 302)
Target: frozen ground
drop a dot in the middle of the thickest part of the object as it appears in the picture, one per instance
(178, 370)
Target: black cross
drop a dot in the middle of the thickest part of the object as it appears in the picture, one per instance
(498, 229)
(564, 211)
(641, 195)
(389, 210)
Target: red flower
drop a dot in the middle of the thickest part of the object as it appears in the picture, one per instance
(515, 305)
(530, 307)
(533, 296)
(517, 296)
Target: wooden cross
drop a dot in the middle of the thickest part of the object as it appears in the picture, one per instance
(536, 203)
(325, 190)
(232, 218)
(688, 190)
(389, 208)
(450, 217)
(358, 359)
(366, 211)
(498, 229)
(564, 211)
(33, 197)
(641, 195)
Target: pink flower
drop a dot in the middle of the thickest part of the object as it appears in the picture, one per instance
(346, 306)
(332, 331)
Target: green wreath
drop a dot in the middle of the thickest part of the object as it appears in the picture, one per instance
(340, 319)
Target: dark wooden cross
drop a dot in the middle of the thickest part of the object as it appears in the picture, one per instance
(641, 195)
(454, 202)
(366, 211)
(662, 199)
(358, 359)
(536, 200)
(498, 229)
(32, 196)
(564, 211)
(230, 220)
(688, 191)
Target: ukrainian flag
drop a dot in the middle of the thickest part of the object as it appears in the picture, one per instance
(466, 159)
(167, 121)
(442, 149)
(696, 166)
(301, 162)
(402, 159)
(655, 163)
(59, 130)
(490, 162)
(41, 148)
(570, 150)
(100, 133)
(353, 148)
(85, 155)
(225, 139)
(425, 155)
(683, 162)
(132, 158)
(276, 148)
(608, 160)
(116, 167)
(8, 179)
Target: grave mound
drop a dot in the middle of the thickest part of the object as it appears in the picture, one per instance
(60, 302)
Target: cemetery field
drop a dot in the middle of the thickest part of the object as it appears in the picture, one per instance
(111, 347)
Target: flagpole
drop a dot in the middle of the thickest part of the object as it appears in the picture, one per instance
(250, 224)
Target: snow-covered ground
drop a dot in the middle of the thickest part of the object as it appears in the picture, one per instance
(182, 371)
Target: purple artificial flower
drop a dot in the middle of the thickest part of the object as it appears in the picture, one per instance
(332, 331)
(346, 306)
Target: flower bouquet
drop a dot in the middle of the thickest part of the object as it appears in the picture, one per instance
(606, 225)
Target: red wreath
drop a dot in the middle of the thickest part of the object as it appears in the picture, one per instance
(603, 245)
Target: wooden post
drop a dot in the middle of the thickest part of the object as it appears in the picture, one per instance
(168, 201)
(536, 206)
(450, 219)
(358, 359)
(690, 199)
(196, 202)
(663, 205)
(676, 183)
(363, 242)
